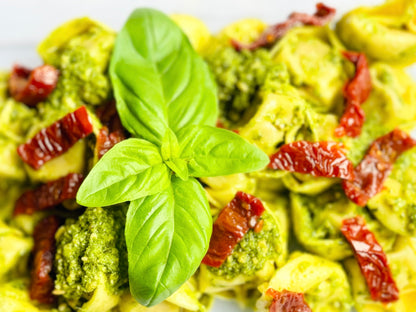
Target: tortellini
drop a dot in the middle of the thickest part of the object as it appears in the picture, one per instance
(14, 297)
(244, 31)
(4, 78)
(90, 34)
(255, 259)
(385, 33)
(15, 248)
(284, 117)
(317, 221)
(187, 298)
(395, 205)
(316, 65)
(323, 283)
(392, 103)
(9, 192)
(278, 119)
(221, 190)
(402, 261)
(195, 29)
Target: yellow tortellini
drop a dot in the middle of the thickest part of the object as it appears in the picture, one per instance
(323, 283)
(393, 100)
(15, 248)
(14, 297)
(392, 103)
(385, 33)
(402, 261)
(4, 78)
(187, 298)
(254, 259)
(244, 31)
(316, 65)
(11, 165)
(9, 193)
(96, 37)
(278, 119)
(221, 190)
(395, 205)
(15, 121)
(317, 221)
(195, 29)
(284, 116)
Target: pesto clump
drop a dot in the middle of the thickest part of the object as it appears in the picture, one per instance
(239, 76)
(252, 252)
(81, 79)
(91, 258)
(82, 62)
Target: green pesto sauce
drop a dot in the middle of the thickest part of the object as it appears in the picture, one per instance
(91, 251)
(83, 79)
(251, 253)
(239, 76)
(319, 207)
(80, 81)
(398, 200)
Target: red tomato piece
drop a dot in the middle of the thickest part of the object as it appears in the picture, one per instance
(322, 16)
(376, 166)
(42, 284)
(32, 86)
(112, 132)
(321, 159)
(371, 259)
(48, 195)
(356, 92)
(56, 139)
(286, 301)
(106, 140)
(233, 222)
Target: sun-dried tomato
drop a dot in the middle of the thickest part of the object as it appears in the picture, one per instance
(233, 222)
(106, 140)
(56, 139)
(371, 259)
(32, 86)
(285, 301)
(109, 116)
(356, 92)
(321, 159)
(42, 284)
(112, 132)
(48, 195)
(322, 16)
(376, 166)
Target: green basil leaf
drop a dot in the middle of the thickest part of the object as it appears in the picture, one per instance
(132, 169)
(170, 153)
(169, 148)
(167, 235)
(212, 151)
(159, 80)
(179, 167)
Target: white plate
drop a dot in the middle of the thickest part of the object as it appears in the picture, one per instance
(24, 23)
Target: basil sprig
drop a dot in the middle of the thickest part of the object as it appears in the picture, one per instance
(166, 99)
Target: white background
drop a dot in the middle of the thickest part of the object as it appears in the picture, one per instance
(24, 23)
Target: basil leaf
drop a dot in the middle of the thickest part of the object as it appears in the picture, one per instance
(167, 235)
(212, 151)
(179, 167)
(132, 169)
(170, 154)
(159, 80)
